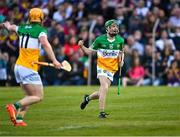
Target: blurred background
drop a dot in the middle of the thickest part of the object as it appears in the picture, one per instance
(151, 58)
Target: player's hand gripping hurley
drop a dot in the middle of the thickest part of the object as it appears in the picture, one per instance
(65, 65)
(119, 79)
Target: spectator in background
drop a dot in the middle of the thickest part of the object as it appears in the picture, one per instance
(99, 27)
(135, 74)
(177, 56)
(12, 44)
(135, 22)
(133, 44)
(68, 9)
(167, 56)
(81, 12)
(3, 8)
(60, 14)
(163, 41)
(4, 57)
(57, 30)
(105, 10)
(174, 20)
(147, 61)
(50, 76)
(141, 9)
(148, 24)
(11, 75)
(159, 72)
(75, 77)
(173, 74)
(57, 47)
(163, 24)
(138, 36)
(84, 35)
(120, 17)
(123, 31)
(71, 48)
(70, 27)
(3, 38)
(176, 38)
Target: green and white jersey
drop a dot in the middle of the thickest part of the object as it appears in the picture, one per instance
(29, 44)
(108, 51)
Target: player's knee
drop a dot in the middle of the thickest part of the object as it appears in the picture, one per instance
(105, 87)
(41, 98)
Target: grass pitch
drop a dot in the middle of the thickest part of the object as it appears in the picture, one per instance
(148, 111)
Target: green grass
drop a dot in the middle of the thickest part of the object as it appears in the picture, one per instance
(148, 111)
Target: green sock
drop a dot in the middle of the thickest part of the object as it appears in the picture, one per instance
(19, 117)
(17, 105)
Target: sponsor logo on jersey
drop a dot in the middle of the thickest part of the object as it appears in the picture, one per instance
(108, 53)
(28, 27)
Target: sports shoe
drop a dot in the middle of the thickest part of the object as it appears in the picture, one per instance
(12, 112)
(20, 124)
(103, 115)
(85, 102)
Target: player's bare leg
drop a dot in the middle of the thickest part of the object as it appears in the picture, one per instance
(20, 115)
(87, 98)
(94, 95)
(34, 94)
(104, 86)
(22, 111)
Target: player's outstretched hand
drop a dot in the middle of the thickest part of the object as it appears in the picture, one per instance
(57, 64)
(6, 24)
(80, 43)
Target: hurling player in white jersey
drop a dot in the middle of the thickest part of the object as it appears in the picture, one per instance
(32, 36)
(109, 48)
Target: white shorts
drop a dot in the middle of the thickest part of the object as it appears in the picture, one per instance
(25, 75)
(102, 72)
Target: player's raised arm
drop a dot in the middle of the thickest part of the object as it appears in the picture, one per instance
(8, 26)
(47, 47)
(85, 50)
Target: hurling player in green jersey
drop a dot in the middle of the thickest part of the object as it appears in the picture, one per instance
(108, 48)
(31, 36)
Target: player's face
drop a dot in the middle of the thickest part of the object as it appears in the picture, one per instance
(113, 30)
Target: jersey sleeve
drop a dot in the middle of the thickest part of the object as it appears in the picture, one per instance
(121, 44)
(43, 32)
(19, 29)
(95, 44)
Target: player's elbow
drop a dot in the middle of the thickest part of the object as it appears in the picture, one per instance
(44, 43)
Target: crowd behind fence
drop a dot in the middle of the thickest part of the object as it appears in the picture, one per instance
(67, 21)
